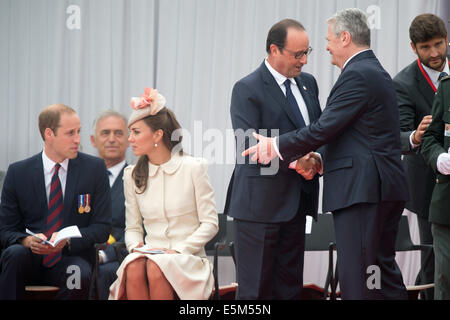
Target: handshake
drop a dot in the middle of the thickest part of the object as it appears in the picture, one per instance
(308, 165)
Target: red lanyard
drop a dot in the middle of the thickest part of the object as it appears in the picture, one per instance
(427, 77)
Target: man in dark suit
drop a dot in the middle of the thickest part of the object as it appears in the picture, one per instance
(110, 138)
(269, 231)
(364, 179)
(56, 188)
(416, 87)
(436, 151)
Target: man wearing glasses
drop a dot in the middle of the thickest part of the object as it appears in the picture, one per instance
(270, 231)
(364, 180)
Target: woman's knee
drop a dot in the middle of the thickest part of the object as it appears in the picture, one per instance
(154, 273)
(136, 270)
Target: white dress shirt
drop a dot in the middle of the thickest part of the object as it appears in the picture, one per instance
(280, 79)
(49, 169)
(434, 75)
(115, 170)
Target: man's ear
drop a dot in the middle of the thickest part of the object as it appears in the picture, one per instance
(346, 38)
(48, 133)
(413, 47)
(274, 49)
(93, 141)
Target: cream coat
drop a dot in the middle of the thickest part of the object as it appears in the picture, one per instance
(178, 212)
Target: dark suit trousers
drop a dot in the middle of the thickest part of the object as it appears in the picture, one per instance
(19, 267)
(269, 258)
(441, 235)
(365, 241)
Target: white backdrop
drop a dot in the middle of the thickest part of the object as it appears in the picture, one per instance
(96, 54)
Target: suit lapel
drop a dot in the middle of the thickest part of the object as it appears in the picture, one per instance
(424, 87)
(71, 183)
(272, 87)
(303, 88)
(39, 186)
(118, 185)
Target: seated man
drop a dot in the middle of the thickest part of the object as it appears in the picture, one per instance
(53, 189)
(110, 138)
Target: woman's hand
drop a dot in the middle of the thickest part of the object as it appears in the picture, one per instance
(140, 244)
(169, 251)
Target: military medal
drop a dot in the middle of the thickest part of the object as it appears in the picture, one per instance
(80, 203)
(87, 208)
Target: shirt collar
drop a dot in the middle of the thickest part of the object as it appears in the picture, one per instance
(50, 164)
(348, 60)
(433, 74)
(169, 167)
(115, 170)
(279, 78)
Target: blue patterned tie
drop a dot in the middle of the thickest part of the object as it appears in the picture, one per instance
(54, 218)
(443, 74)
(293, 103)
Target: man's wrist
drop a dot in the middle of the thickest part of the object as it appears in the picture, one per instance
(413, 140)
(275, 147)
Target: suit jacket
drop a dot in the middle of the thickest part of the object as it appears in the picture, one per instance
(434, 142)
(24, 202)
(118, 214)
(415, 98)
(257, 103)
(361, 132)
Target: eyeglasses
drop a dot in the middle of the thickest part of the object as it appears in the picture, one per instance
(299, 54)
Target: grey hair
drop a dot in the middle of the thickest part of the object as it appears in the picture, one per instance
(354, 21)
(106, 114)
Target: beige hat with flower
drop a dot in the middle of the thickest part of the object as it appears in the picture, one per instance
(148, 104)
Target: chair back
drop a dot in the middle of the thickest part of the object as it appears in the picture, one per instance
(322, 234)
(403, 241)
(322, 238)
(219, 237)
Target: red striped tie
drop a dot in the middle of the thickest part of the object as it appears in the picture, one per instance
(54, 218)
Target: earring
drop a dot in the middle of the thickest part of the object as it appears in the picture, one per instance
(156, 145)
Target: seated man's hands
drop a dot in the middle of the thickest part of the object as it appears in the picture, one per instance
(37, 247)
(309, 165)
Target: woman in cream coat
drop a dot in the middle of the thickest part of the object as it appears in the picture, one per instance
(168, 193)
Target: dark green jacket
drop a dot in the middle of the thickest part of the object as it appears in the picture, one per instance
(434, 142)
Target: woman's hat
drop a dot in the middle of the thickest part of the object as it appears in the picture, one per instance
(149, 104)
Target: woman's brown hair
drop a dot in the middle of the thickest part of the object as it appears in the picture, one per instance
(166, 121)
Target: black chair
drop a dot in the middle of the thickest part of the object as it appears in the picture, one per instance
(215, 248)
(322, 238)
(121, 253)
(404, 243)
